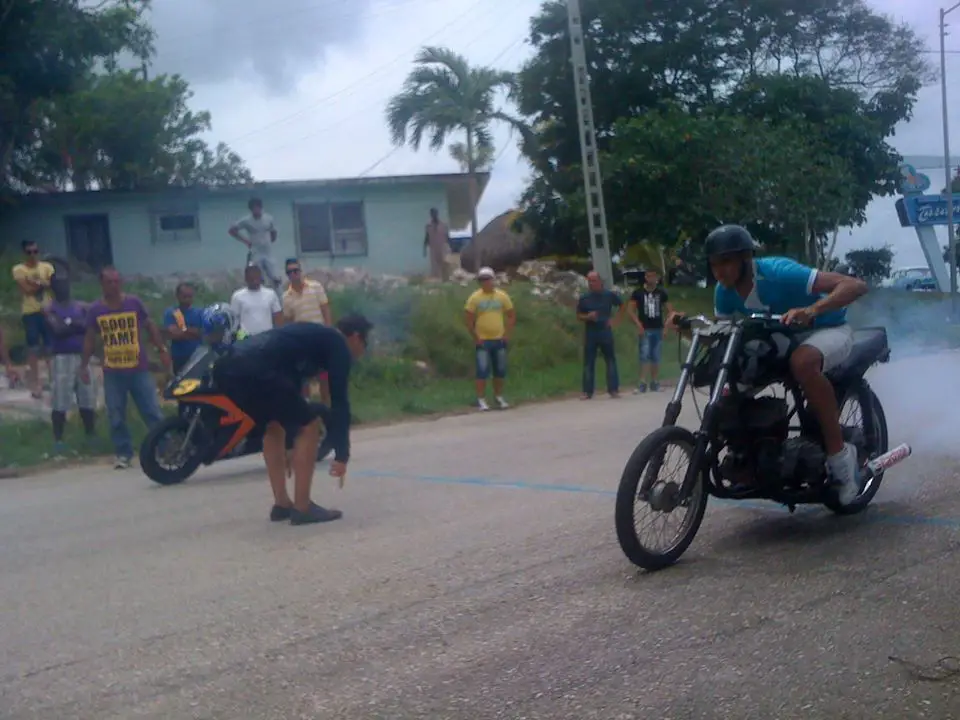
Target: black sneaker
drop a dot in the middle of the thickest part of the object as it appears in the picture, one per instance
(278, 513)
(316, 514)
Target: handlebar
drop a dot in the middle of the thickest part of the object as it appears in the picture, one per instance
(686, 323)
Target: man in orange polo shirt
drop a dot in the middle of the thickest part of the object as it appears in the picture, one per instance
(305, 300)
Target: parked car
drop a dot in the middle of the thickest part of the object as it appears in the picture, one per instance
(927, 284)
(906, 278)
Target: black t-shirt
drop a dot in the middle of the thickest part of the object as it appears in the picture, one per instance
(651, 305)
(298, 352)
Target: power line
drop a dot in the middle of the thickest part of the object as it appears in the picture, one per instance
(375, 72)
(377, 164)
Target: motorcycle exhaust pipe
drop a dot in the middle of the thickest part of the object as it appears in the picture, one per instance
(888, 460)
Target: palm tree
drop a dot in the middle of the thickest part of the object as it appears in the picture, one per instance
(443, 94)
(483, 156)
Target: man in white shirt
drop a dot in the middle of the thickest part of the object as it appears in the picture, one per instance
(257, 308)
(260, 237)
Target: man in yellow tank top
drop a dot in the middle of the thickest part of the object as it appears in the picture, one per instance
(490, 318)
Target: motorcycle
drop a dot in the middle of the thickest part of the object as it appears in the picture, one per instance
(207, 428)
(751, 446)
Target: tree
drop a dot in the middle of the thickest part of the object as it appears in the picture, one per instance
(482, 160)
(946, 251)
(870, 264)
(120, 131)
(672, 175)
(49, 47)
(443, 94)
(696, 53)
(853, 130)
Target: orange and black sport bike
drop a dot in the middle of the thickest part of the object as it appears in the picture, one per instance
(208, 427)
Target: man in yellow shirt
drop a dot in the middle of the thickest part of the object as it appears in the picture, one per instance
(33, 277)
(490, 318)
(305, 300)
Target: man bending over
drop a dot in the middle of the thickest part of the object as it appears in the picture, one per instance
(264, 376)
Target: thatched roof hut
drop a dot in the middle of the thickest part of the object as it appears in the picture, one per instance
(498, 245)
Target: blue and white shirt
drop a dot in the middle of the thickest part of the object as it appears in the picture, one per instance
(780, 284)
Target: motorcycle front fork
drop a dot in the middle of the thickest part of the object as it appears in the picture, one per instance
(190, 430)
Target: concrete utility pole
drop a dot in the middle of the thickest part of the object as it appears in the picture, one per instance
(948, 188)
(593, 183)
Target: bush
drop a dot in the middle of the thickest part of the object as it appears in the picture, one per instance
(570, 263)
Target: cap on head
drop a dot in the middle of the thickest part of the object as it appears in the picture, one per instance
(486, 273)
(728, 240)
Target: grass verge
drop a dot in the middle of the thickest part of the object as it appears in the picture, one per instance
(421, 363)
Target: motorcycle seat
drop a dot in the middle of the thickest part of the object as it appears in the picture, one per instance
(869, 346)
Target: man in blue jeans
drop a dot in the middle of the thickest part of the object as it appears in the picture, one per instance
(120, 320)
(599, 309)
(647, 307)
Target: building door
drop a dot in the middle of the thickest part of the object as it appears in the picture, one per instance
(88, 242)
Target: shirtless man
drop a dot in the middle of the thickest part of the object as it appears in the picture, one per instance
(437, 241)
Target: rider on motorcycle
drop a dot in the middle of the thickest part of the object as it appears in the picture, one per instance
(804, 296)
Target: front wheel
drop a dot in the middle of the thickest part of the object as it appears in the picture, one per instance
(164, 457)
(651, 482)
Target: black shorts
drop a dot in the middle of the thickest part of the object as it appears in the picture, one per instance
(265, 397)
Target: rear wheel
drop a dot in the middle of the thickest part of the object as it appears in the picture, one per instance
(650, 488)
(861, 409)
(164, 457)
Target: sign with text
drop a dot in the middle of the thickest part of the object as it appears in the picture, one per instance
(926, 210)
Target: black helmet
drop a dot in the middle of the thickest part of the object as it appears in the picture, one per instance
(728, 239)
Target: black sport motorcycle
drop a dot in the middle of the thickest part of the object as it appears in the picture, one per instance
(750, 445)
(207, 427)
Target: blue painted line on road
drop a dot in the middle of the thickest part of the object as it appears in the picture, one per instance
(945, 522)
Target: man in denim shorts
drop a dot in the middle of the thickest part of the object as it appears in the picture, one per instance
(648, 306)
(490, 318)
(33, 277)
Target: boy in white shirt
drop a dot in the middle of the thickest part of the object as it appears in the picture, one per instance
(256, 308)
(261, 234)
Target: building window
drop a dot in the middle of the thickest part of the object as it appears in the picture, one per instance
(175, 224)
(335, 228)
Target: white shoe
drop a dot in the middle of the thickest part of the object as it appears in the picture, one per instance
(482, 405)
(845, 473)
(501, 403)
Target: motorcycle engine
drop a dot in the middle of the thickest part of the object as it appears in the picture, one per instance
(754, 430)
(803, 462)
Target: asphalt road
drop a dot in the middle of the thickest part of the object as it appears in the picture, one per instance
(476, 575)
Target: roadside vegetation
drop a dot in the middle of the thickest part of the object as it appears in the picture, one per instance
(421, 362)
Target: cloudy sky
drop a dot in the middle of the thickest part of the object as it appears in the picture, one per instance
(298, 87)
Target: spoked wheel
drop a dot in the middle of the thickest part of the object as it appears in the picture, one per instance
(165, 457)
(649, 502)
(860, 410)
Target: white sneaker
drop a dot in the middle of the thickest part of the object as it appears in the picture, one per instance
(846, 475)
(121, 463)
(482, 405)
(501, 403)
